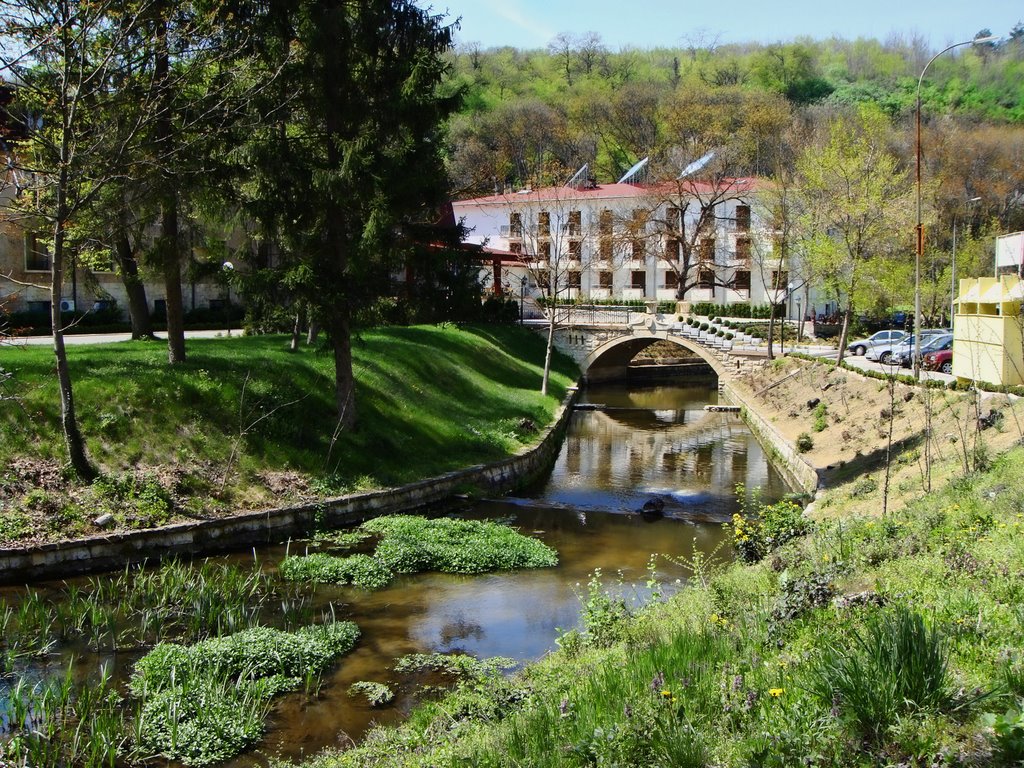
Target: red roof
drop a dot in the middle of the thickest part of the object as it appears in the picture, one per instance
(617, 191)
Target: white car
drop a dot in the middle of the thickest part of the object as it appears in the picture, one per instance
(880, 339)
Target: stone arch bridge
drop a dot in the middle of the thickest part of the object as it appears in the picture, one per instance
(604, 341)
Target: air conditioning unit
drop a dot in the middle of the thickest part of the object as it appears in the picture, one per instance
(67, 305)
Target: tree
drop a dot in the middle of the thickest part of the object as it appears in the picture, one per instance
(855, 208)
(355, 158)
(64, 53)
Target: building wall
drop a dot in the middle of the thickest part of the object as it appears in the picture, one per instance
(488, 223)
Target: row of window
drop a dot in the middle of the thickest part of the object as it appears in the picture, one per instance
(673, 247)
(638, 279)
(674, 222)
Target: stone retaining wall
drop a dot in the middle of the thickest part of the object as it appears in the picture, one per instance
(274, 526)
(797, 470)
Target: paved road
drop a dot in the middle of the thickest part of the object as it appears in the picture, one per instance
(108, 338)
(867, 365)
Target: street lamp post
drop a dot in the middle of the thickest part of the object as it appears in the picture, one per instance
(952, 278)
(919, 230)
(522, 298)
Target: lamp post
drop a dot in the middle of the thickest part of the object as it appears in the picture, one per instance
(226, 269)
(522, 298)
(952, 278)
(919, 230)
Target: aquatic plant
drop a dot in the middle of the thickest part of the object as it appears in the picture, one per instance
(377, 694)
(409, 544)
(206, 702)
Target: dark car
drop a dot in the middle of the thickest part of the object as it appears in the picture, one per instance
(934, 344)
(941, 361)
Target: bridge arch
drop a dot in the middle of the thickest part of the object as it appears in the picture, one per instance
(618, 351)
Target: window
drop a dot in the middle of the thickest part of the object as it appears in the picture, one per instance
(604, 247)
(605, 223)
(575, 223)
(575, 250)
(706, 279)
(638, 279)
(741, 280)
(780, 279)
(544, 224)
(37, 255)
(673, 219)
(544, 250)
(544, 280)
(742, 218)
(605, 279)
(672, 248)
(671, 279)
(743, 249)
(638, 249)
(575, 278)
(706, 249)
(39, 307)
(516, 248)
(515, 225)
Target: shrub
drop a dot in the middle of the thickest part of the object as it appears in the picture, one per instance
(804, 442)
(729, 337)
(897, 666)
(760, 528)
(704, 326)
(820, 417)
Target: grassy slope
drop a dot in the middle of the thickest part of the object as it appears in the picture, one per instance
(430, 400)
(723, 673)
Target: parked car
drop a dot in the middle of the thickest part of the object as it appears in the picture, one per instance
(891, 353)
(861, 346)
(941, 361)
(928, 344)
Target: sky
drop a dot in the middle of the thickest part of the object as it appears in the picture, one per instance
(675, 23)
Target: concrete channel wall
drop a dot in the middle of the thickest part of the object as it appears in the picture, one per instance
(275, 526)
(797, 471)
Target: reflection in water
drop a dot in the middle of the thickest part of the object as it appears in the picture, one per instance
(645, 443)
(655, 442)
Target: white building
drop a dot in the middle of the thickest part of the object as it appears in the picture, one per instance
(631, 241)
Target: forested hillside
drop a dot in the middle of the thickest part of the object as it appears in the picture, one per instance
(530, 116)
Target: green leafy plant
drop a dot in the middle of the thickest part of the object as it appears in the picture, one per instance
(895, 666)
(1008, 733)
(804, 442)
(759, 528)
(377, 694)
(820, 417)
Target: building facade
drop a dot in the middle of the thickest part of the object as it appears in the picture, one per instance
(698, 243)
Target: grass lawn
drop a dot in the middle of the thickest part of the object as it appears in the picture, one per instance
(244, 423)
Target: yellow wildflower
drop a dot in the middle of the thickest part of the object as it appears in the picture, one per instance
(776, 692)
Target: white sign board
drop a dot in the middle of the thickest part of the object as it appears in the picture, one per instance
(1010, 250)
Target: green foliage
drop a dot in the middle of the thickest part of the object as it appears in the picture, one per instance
(759, 528)
(1008, 730)
(820, 417)
(428, 405)
(138, 501)
(377, 694)
(410, 544)
(804, 442)
(710, 309)
(460, 665)
(320, 568)
(896, 666)
(205, 703)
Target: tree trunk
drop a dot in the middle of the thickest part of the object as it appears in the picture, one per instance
(844, 335)
(313, 333)
(547, 353)
(344, 379)
(171, 263)
(138, 306)
(80, 463)
(169, 247)
(293, 346)
(771, 331)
